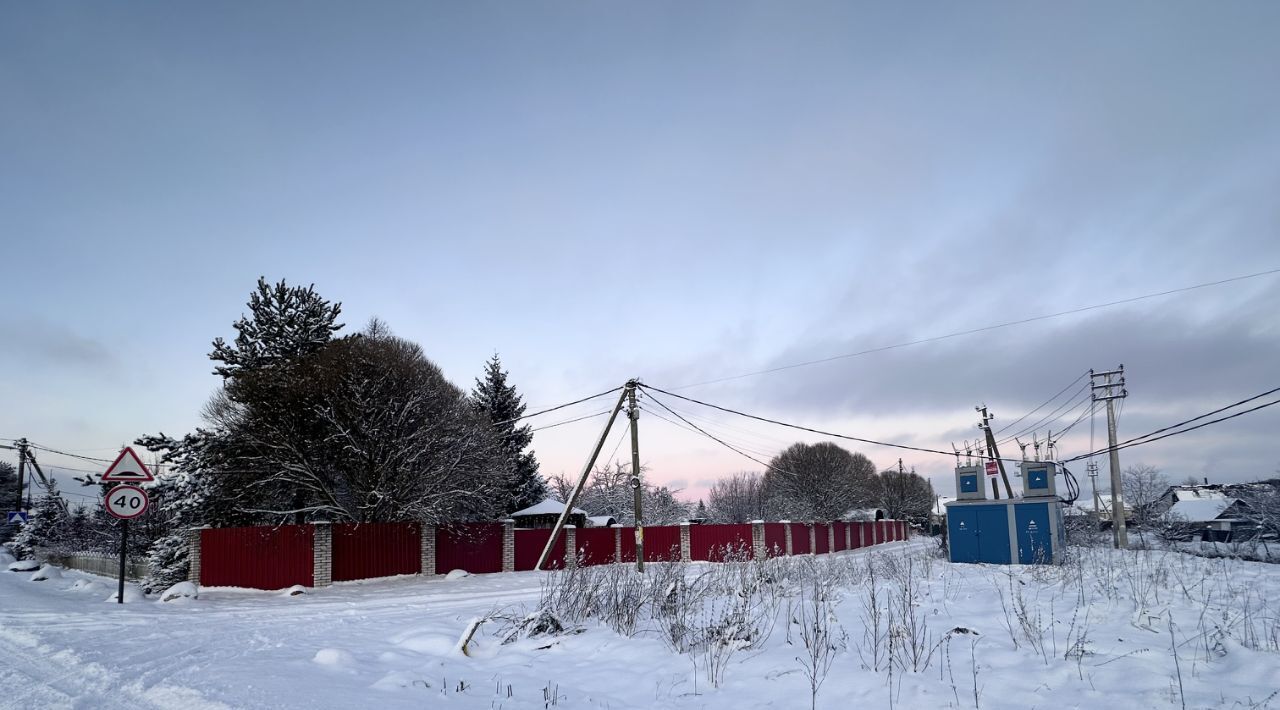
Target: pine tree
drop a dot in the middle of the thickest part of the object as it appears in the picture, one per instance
(501, 403)
(46, 528)
(8, 494)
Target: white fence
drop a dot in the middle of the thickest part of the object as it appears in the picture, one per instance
(95, 562)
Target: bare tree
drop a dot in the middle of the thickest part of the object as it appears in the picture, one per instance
(905, 495)
(818, 482)
(738, 498)
(1142, 485)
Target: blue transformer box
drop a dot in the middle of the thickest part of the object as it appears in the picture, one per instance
(1018, 531)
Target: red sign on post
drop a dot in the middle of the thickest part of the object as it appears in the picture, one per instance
(992, 469)
(128, 468)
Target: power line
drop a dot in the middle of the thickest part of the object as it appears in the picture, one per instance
(569, 421)
(689, 427)
(1081, 396)
(983, 329)
(1151, 436)
(47, 449)
(714, 438)
(801, 428)
(558, 407)
(1008, 426)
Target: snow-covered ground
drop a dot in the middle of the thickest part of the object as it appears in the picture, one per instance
(958, 636)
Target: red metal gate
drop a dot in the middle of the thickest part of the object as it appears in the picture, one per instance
(775, 539)
(474, 547)
(369, 550)
(258, 558)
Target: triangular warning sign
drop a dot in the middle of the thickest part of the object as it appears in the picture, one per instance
(128, 468)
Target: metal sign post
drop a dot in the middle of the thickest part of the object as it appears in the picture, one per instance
(126, 501)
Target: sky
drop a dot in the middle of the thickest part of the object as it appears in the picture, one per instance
(675, 192)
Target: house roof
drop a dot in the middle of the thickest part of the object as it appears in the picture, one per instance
(1200, 510)
(601, 521)
(549, 506)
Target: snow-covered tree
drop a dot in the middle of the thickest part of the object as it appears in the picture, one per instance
(818, 482)
(1142, 485)
(8, 495)
(904, 495)
(46, 527)
(499, 402)
(737, 499)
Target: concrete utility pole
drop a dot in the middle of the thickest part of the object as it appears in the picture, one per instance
(577, 489)
(1093, 480)
(637, 486)
(1119, 533)
(22, 467)
(985, 426)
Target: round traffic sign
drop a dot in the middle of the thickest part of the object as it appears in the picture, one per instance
(127, 502)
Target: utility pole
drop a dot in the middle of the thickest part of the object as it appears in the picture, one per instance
(985, 426)
(1092, 467)
(637, 487)
(577, 489)
(22, 467)
(1119, 534)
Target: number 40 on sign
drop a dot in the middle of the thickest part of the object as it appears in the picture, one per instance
(126, 502)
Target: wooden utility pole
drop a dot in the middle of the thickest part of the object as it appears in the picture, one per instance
(637, 487)
(1119, 533)
(985, 426)
(577, 489)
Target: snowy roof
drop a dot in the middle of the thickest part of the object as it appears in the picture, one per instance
(550, 506)
(1199, 510)
(601, 521)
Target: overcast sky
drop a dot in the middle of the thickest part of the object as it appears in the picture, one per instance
(672, 191)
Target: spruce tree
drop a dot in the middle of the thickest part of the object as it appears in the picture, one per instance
(501, 403)
(8, 494)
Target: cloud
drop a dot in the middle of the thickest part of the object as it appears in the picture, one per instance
(46, 345)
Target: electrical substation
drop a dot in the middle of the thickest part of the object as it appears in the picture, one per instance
(1025, 530)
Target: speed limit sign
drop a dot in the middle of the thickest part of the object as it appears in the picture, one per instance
(127, 502)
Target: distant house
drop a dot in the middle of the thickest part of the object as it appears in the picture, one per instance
(545, 514)
(863, 514)
(1207, 511)
(601, 521)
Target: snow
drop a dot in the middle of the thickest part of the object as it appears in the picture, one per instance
(1074, 636)
(549, 506)
(1199, 510)
(47, 572)
(179, 591)
(24, 566)
(456, 575)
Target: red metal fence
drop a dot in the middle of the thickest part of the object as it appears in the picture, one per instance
(279, 557)
(711, 542)
(595, 545)
(529, 545)
(821, 543)
(368, 550)
(262, 558)
(474, 547)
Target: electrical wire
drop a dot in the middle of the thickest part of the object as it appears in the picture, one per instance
(41, 447)
(570, 421)
(690, 428)
(801, 428)
(1151, 436)
(716, 439)
(1081, 395)
(983, 329)
(1013, 423)
(559, 407)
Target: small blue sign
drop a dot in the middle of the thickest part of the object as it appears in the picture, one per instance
(17, 516)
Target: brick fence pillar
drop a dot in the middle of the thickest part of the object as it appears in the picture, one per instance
(322, 555)
(813, 538)
(508, 545)
(758, 549)
(786, 529)
(831, 537)
(686, 553)
(193, 554)
(428, 549)
(570, 547)
(617, 544)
